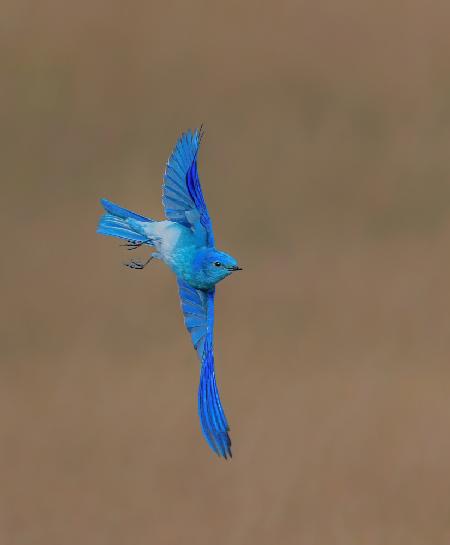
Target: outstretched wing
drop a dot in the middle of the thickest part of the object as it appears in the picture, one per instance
(182, 194)
(198, 310)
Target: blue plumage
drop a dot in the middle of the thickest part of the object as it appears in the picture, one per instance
(118, 222)
(120, 212)
(185, 242)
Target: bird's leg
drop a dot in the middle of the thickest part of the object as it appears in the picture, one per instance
(133, 244)
(137, 264)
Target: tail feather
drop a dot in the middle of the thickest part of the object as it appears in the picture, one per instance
(120, 212)
(115, 227)
(115, 223)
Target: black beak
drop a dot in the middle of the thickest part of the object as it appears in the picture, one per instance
(236, 268)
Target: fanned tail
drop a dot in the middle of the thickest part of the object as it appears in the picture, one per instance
(122, 223)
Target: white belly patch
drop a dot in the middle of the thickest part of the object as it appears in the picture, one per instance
(165, 235)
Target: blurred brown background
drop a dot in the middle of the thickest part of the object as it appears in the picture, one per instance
(326, 170)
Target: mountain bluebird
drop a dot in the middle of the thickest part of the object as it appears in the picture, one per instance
(185, 242)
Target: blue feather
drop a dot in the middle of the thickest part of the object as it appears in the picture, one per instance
(115, 222)
(198, 310)
(115, 227)
(120, 212)
(182, 193)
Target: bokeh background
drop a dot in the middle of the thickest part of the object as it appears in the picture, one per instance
(326, 168)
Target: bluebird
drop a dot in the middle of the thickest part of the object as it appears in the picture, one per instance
(185, 243)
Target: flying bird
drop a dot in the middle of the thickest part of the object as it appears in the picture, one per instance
(185, 243)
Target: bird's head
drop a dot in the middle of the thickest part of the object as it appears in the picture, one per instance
(213, 266)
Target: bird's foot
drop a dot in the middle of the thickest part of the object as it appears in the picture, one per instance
(138, 265)
(133, 244)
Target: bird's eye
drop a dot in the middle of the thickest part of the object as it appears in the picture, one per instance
(217, 263)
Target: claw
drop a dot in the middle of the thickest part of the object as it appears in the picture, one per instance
(137, 265)
(133, 244)
(134, 265)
